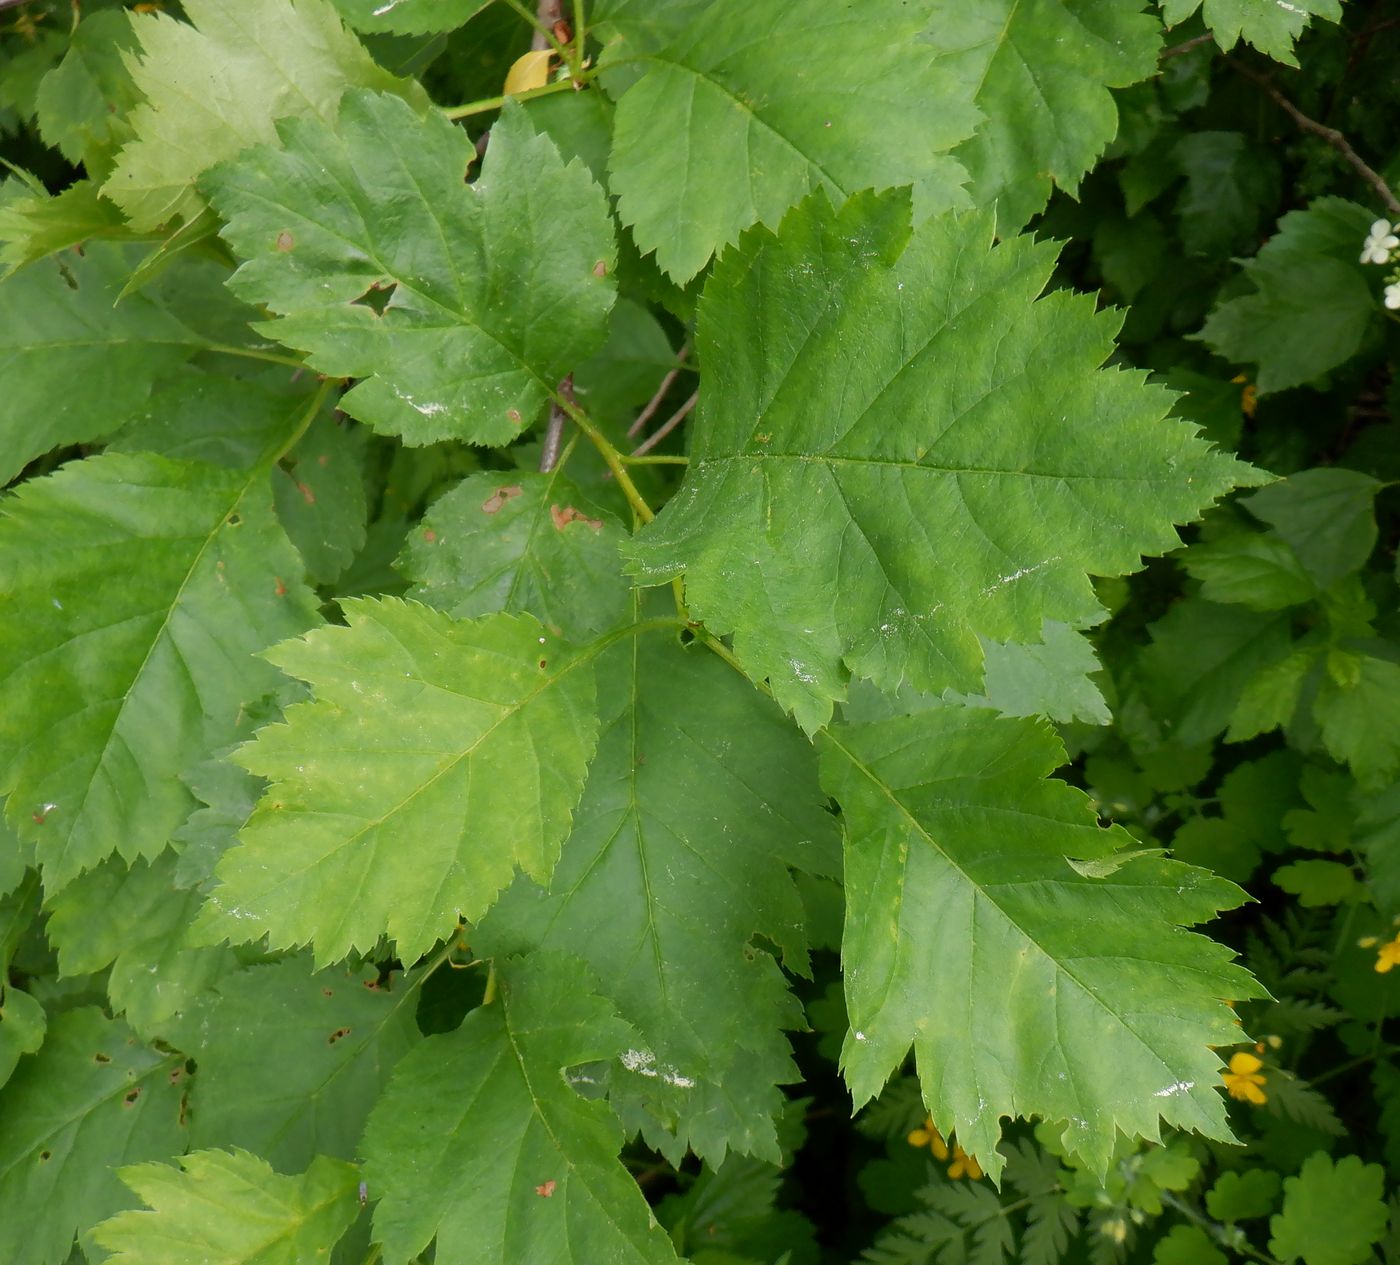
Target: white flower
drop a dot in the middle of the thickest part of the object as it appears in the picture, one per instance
(1380, 241)
(1392, 295)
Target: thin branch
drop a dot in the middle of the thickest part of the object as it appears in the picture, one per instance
(655, 402)
(1329, 134)
(10, 4)
(547, 14)
(554, 432)
(1186, 46)
(666, 427)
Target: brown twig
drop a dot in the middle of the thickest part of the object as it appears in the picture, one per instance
(550, 12)
(666, 427)
(554, 432)
(1186, 46)
(655, 402)
(1329, 134)
(11, 4)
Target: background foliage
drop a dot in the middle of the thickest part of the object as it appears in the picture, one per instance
(651, 631)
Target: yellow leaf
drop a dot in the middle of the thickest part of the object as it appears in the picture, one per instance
(529, 71)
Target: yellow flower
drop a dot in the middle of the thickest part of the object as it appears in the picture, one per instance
(963, 1164)
(1244, 1079)
(1388, 955)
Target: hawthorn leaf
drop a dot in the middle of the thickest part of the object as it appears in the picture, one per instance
(700, 802)
(1270, 26)
(83, 102)
(232, 1208)
(319, 491)
(290, 1060)
(520, 542)
(148, 586)
(1051, 677)
(22, 1026)
(95, 1098)
(1040, 71)
(1025, 987)
(436, 756)
(853, 501)
(37, 225)
(218, 84)
(482, 1140)
(747, 111)
(134, 919)
(409, 17)
(1231, 185)
(1255, 569)
(490, 292)
(75, 364)
(1312, 305)
(1309, 1227)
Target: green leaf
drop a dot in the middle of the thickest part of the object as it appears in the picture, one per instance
(1309, 1226)
(1257, 570)
(1270, 26)
(1317, 882)
(437, 756)
(134, 920)
(22, 1026)
(1046, 678)
(147, 586)
(1360, 719)
(34, 227)
(747, 111)
(409, 17)
(1216, 843)
(937, 504)
(700, 800)
(82, 102)
(495, 290)
(1327, 516)
(319, 491)
(224, 1208)
(1243, 1196)
(290, 1060)
(520, 542)
(218, 86)
(1025, 987)
(481, 1139)
(95, 1098)
(1041, 73)
(1187, 1245)
(1312, 305)
(74, 364)
(1231, 185)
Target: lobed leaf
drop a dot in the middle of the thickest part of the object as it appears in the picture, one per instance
(1270, 26)
(867, 503)
(485, 296)
(975, 932)
(436, 756)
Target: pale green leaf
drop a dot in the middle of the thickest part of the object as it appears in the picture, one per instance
(1327, 516)
(1316, 882)
(75, 364)
(1309, 1226)
(1050, 677)
(1269, 696)
(482, 1140)
(747, 111)
(22, 1025)
(1253, 569)
(1040, 70)
(437, 756)
(231, 1208)
(520, 542)
(218, 86)
(1312, 306)
(290, 1060)
(495, 290)
(853, 503)
(94, 1098)
(1025, 988)
(1244, 1195)
(1269, 25)
(1360, 719)
(148, 586)
(700, 800)
(409, 17)
(1187, 1245)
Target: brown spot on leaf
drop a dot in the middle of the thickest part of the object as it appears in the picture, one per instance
(337, 1034)
(307, 493)
(499, 497)
(177, 1075)
(563, 517)
(323, 459)
(514, 415)
(545, 1189)
(544, 663)
(131, 1095)
(99, 1057)
(600, 269)
(43, 1155)
(285, 241)
(327, 992)
(281, 589)
(430, 535)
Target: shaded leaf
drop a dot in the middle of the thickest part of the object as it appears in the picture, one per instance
(1309, 1227)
